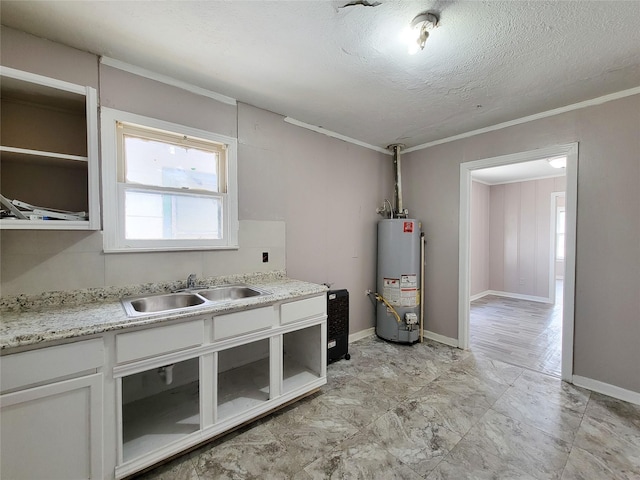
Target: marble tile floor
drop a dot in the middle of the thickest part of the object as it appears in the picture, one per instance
(428, 411)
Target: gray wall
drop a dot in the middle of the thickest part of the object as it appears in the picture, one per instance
(607, 304)
(479, 244)
(307, 199)
(519, 236)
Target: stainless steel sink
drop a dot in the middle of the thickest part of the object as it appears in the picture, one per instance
(169, 302)
(161, 303)
(225, 293)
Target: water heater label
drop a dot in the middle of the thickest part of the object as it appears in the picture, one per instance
(408, 227)
(409, 297)
(409, 281)
(391, 290)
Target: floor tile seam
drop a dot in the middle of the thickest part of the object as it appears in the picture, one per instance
(573, 445)
(579, 411)
(486, 402)
(364, 427)
(619, 475)
(545, 433)
(481, 446)
(525, 367)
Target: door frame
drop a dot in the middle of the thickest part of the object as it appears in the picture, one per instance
(569, 150)
(553, 233)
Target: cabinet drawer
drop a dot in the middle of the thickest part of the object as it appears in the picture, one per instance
(37, 366)
(301, 309)
(232, 324)
(158, 340)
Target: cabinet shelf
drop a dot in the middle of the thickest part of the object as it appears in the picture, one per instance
(16, 154)
(17, 224)
(296, 375)
(49, 151)
(157, 420)
(243, 388)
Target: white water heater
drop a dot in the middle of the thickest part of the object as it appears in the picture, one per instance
(398, 280)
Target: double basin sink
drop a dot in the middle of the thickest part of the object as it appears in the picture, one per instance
(204, 297)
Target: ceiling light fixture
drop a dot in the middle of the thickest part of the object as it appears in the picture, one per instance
(416, 34)
(558, 162)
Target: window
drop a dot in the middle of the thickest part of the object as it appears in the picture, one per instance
(560, 221)
(166, 186)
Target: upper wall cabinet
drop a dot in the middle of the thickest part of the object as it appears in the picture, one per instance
(48, 153)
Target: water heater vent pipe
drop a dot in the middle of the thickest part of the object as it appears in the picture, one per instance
(400, 211)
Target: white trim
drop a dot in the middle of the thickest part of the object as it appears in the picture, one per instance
(42, 80)
(607, 389)
(113, 239)
(519, 296)
(354, 337)
(553, 238)
(568, 310)
(94, 158)
(339, 136)
(40, 153)
(520, 180)
(159, 77)
(549, 113)
(452, 342)
(478, 296)
(571, 152)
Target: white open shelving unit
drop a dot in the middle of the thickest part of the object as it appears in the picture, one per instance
(49, 151)
(218, 383)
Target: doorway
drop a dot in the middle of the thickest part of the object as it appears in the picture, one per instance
(570, 151)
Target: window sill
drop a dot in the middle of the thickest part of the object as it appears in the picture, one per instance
(169, 249)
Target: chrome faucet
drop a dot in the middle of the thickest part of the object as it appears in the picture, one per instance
(191, 281)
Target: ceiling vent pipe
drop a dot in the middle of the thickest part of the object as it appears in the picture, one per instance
(400, 211)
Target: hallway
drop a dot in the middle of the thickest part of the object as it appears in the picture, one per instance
(520, 332)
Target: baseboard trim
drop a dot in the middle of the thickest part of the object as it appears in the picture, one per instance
(452, 342)
(607, 389)
(478, 296)
(367, 332)
(518, 296)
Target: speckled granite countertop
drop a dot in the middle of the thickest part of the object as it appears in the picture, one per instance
(28, 321)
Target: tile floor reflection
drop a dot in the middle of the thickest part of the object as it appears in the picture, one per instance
(428, 411)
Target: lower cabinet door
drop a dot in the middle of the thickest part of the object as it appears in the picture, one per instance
(53, 431)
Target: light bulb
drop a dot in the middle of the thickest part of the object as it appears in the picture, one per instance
(558, 162)
(411, 36)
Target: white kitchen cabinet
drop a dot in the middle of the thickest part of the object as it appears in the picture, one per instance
(249, 363)
(49, 150)
(303, 357)
(159, 406)
(51, 423)
(243, 380)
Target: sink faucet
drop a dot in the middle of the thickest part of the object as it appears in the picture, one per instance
(191, 281)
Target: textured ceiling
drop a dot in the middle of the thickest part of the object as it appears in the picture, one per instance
(344, 69)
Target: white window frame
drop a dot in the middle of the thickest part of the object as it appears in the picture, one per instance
(113, 193)
(560, 210)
